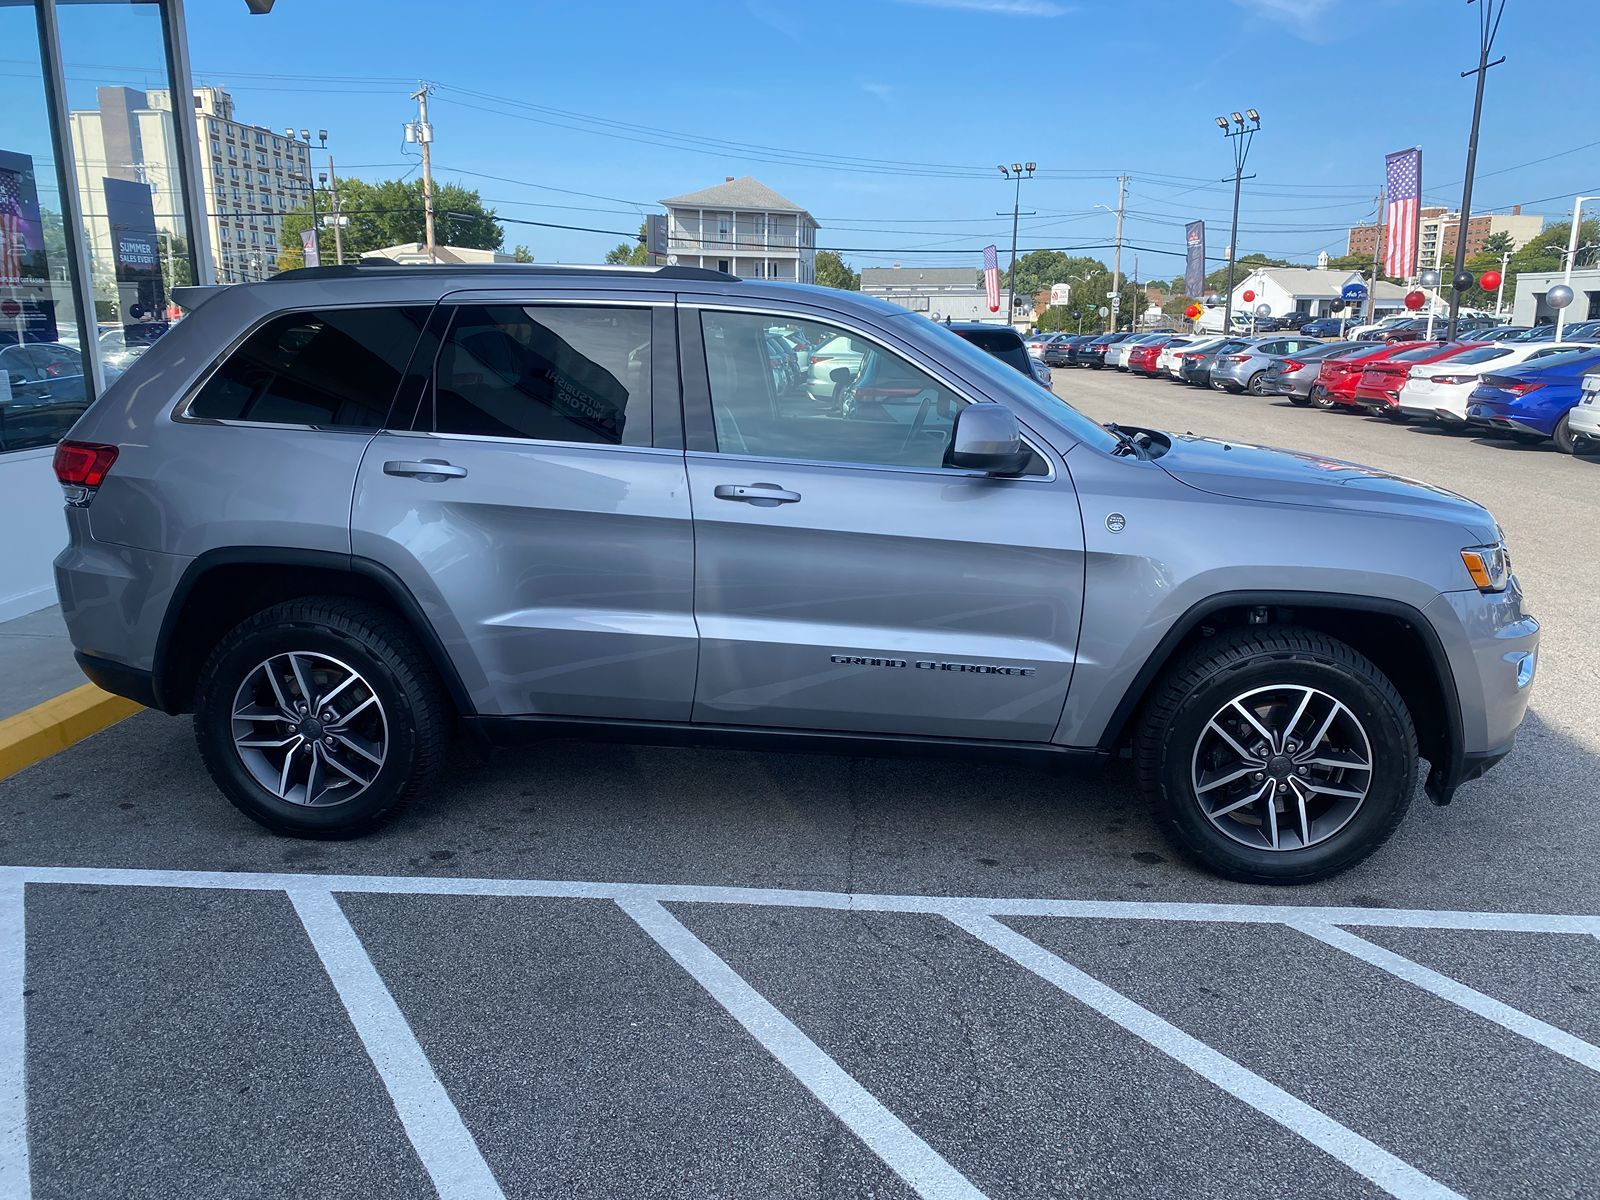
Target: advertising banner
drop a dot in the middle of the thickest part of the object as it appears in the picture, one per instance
(136, 257)
(308, 247)
(1194, 267)
(27, 309)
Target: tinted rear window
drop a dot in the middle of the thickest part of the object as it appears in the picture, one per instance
(1417, 355)
(1004, 344)
(1481, 354)
(336, 367)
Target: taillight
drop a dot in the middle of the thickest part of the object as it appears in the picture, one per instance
(1520, 389)
(818, 358)
(1238, 358)
(1291, 364)
(1450, 379)
(81, 468)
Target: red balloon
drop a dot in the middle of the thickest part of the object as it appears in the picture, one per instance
(1490, 280)
(1249, 296)
(1193, 311)
(1415, 300)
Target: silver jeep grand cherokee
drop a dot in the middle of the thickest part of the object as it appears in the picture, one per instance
(338, 513)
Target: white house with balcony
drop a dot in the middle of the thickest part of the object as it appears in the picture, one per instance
(745, 228)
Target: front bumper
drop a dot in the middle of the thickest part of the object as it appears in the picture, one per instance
(1492, 646)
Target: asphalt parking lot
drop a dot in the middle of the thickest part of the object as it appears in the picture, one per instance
(612, 971)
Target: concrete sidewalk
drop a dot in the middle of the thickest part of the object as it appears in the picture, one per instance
(35, 661)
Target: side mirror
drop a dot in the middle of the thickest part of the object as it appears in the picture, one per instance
(987, 438)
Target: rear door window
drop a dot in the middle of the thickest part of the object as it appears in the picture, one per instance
(548, 373)
(331, 368)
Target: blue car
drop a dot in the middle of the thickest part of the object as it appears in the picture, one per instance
(1323, 327)
(1532, 402)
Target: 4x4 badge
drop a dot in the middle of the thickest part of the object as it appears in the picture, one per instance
(1116, 522)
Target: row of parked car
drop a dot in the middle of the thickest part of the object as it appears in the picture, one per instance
(1518, 381)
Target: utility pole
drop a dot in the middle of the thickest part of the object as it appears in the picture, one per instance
(1116, 256)
(424, 135)
(1243, 135)
(1377, 255)
(338, 221)
(1488, 26)
(1015, 171)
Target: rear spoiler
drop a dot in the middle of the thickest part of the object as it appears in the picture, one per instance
(192, 297)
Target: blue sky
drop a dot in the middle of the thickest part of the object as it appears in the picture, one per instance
(829, 98)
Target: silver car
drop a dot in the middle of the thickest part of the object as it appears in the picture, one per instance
(1294, 375)
(1244, 368)
(338, 514)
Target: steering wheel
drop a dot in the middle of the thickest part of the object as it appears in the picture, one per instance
(919, 420)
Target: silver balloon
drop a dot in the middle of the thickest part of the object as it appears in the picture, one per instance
(1558, 296)
(1429, 278)
(1213, 299)
(1263, 310)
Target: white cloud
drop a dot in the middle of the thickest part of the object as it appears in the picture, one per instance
(999, 8)
(1303, 17)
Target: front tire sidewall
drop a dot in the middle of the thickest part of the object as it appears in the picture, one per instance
(213, 730)
(1393, 780)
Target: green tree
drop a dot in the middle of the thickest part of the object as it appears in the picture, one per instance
(834, 272)
(629, 254)
(1499, 243)
(522, 254)
(1546, 252)
(391, 213)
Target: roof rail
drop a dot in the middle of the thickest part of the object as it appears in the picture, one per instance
(375, 266)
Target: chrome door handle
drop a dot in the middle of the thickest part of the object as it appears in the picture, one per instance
(763, 495)
(429, 470)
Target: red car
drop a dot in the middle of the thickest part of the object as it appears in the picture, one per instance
(1336, 381)
(1378, 387)
(1142, 359)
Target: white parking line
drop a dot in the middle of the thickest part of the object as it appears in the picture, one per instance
(886, 1135)
(1395, 1176)
(1559, 1040)
(14, 1170)
(447, 1150)
(1272, 914)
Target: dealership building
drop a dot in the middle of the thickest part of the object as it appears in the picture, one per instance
(104, 207)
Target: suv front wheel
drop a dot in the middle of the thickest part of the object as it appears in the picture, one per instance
(320, 717)
(1277, 756)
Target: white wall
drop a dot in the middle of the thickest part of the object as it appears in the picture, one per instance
(32, 534)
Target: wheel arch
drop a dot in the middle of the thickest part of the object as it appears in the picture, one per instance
(222, 587)
(1394, 635)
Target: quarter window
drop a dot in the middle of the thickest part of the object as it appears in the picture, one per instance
(335, 367)
(549, 374)
(807, 390)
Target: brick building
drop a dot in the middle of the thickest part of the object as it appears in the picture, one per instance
(1440, 228)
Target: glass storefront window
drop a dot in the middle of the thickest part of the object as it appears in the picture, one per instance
(124, 130)
(43, 387)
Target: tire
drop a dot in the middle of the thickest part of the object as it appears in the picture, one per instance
(1320, 398)
(1175, 746)
(394, 706)
(1397, 416)
(1566, 441)
(1299, 401)
(1253, 386)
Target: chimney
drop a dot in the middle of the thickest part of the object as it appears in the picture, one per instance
(1516, 210)
(727, 179)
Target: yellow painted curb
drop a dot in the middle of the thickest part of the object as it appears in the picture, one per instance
(63, 721)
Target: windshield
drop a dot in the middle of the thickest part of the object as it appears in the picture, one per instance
(1073, 421)
(1566, 358)
(1420, 354)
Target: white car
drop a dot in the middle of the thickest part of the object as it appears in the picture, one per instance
(1039, 341)
(1353, 334)
(1164, 359)
(1205, 343)
(1585, 418)
(1440, 389)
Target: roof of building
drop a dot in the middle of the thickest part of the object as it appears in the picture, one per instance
(746, 192)
(919, 277)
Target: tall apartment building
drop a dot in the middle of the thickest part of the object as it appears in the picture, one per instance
(1439, 228)
(744, 227)
(251, 175)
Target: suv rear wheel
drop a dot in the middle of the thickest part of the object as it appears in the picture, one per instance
(320, 717)
(1277, 756)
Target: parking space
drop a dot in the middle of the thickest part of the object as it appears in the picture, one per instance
(769, 977)
(222, 1033)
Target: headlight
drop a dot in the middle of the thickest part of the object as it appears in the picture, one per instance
(1489, 566)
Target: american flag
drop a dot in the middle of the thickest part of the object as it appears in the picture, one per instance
(12, 243)
(1403, 171)
(991, 277)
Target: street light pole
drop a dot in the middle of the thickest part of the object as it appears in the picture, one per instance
(311, 185)
(1015, 171)
(1243, 134)
(1572, 254)
(338, 221)
(1488, 26)
(1500, 292)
